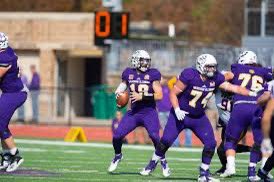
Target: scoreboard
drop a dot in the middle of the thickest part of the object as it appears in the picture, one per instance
(110, 25)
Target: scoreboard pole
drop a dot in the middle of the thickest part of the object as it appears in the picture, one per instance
(114, 45)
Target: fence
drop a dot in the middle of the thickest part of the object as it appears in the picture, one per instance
(64, 105)
(171, 56)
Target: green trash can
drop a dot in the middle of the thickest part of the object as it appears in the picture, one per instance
(99, 104)
(104, 102)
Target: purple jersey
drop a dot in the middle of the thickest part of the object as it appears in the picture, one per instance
(251, 77)
(141, 83)
(197, 93)
(11, 81)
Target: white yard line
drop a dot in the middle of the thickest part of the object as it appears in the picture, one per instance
(101, 145)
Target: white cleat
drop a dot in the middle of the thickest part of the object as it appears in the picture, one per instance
(207, 179)
(149, 168)
(254, 178)
(269, 176)
(114, 163)
(228, 172)
(15, 163)
(165, 168)
(5, 161)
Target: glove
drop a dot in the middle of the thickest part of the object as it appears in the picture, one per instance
(266, 146)
(180, 114)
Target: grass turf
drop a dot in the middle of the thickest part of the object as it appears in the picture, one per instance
(78, 163)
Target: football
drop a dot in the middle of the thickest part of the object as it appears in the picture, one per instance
(122, 100)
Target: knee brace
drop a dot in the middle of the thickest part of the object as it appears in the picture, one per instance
(5, 134)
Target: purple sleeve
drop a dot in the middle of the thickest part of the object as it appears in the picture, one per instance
(268, 75)
(155, 75)
(125, 74)
(234, 68)
(186, 75)
(220, 79)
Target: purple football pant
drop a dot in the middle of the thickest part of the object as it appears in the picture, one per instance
(9, 102)
(201, 127)
(242, 116)
(147, 118)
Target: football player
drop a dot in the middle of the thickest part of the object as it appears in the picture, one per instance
(144, 86)
(267, 129)
(224, 102)
(247, 74)
(268, 141)
(189, 98)
(13, 96)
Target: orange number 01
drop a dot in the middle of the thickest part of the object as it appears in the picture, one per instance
(98, 18)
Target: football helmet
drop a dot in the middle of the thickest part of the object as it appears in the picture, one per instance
(247, 57)
(140, 60)
(3, 41)
(206, 64)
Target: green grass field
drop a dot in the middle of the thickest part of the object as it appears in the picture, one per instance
(89, 162)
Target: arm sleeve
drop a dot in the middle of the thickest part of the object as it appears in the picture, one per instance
(268, 75)
(125, 75)
(156, 75)
(186, 76)
(220, 79)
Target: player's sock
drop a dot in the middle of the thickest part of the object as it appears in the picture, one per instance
(269, 164)
(230, 162)
(155, 157)
(205, 166)
(13, 151)
(264, 159)
(252, 164)
(221, 155)
(117, 145)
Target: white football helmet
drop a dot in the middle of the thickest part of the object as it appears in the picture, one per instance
(247, 57)
(206, 64)
(3, 41)
(140, 60)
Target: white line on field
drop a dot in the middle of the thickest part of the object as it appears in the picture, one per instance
(101, 145)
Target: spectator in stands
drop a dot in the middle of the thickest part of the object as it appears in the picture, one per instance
(164, 107)
(21, 110)
(115, 123)
(34, 88)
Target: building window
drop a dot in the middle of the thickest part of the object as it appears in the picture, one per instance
(254, 23)
(269, 29)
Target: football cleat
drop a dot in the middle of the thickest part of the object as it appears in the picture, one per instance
(206, 177)
(165, 168)
(114, 163)
(228, 172)
(5, 161)
(15, 162)
(252, 174)
(220, 171)
(264, 177)
(149, 168)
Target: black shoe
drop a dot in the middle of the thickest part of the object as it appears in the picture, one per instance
(5, 161)
(16, 161)
(263, 176)
(220, 171)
